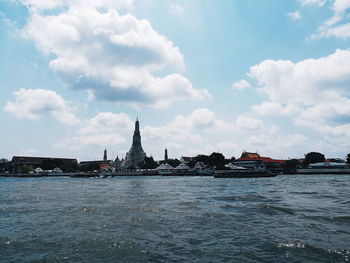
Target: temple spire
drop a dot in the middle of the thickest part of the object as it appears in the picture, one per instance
(136, 154)
(166, 155)
(105, 155)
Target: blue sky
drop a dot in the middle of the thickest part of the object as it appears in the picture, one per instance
(201, 75)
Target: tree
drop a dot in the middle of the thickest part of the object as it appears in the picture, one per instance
(290, 166)
(313, 157)
(5, 165)
(348, 158)
(148, 163)
(199, 158)
(48, 164)
(217, 159)
(232, 159)
(89, 167)
(68, 167)
(27, 168)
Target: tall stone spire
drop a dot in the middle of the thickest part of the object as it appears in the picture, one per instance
(136, 154)
(166, 155)
(105, 156)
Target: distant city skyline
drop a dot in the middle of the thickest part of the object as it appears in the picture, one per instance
(266, 76)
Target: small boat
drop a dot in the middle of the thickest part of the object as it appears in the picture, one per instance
(245, 169)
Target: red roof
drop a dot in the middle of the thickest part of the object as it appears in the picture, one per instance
(264, 159)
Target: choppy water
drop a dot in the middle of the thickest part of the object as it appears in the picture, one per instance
(175, 219)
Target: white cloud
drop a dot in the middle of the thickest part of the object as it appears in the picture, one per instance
(177, 9)
(294, 15)
(34, 104)
(184, 128)
(241, 85)
(106, 129)
(79, 143)
(106, 122)
(246, 122)
(342, 31)
(307, 82)
(338, 25)
(314, 2)
(113, 57)
(336, 113)
(341, 131)
(102, 139)
(52, 4)
(280, 145)
(314, 91)
(274, 108)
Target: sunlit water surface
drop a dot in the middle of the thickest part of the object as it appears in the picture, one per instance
(175, 219)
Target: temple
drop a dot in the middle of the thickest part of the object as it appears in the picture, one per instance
(136, 154)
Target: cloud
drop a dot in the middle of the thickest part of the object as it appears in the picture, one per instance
(274, 108)
(177, 9)
(334, 113)
(106, 122)
(338, 25)
(52, 4)
(294, 15)
(241, 85)
(313, 2)
(314, 91)
(106, 128)
(201, 132)
(246, 122)
(307, 82)
(342, 31)
(113, 57)
(36, 103)
(184, 128)
(280, 144)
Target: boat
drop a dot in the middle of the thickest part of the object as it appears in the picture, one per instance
(245, 169)
(326, 168)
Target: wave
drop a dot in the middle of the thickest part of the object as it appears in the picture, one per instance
(243, 197)
(274, 209)
(311, 251)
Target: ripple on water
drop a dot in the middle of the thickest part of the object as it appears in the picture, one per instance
(270, 209)
(242, 197)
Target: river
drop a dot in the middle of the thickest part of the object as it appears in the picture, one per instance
(289, 218)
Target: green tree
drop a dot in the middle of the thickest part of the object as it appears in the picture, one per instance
(290, 166)
(89, 167)
(47, 165)
(68, 167)
(348, 158)
(148, 163)
(217, 159)
(199, 158)
(27, 168)
(5, 165)
(232, 159)
(313, 157)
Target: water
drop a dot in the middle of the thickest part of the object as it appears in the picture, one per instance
(175, 219)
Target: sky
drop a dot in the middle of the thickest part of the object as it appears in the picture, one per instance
(202, 76)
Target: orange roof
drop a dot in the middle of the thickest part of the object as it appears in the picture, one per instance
(264, 159)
